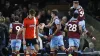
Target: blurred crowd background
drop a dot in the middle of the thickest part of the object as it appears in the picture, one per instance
(19, 8)
(11, 9)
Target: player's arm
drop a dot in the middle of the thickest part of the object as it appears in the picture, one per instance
(50, 23)
(90, 35)
(10, 30)
(37, 29)
(41, 35)
(41, 26)
(58, 28)
(80, 27)
(65, 29)
(24, 29)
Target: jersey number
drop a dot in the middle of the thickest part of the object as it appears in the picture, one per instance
(18, 28)
(81, 12)
(72, 27)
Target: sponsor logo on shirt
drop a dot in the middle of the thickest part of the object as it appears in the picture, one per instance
(32, 25)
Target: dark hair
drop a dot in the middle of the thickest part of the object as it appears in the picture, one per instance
(54, 12)
(16, 18)
(72, 11)
(32, 11)
(76, 1)
(76, 14)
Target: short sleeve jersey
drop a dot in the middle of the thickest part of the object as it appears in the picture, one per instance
(30, 25)
(73, 29)
(15, 28)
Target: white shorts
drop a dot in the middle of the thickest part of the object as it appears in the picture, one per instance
(16, 44)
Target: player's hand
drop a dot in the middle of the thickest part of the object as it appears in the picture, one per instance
(93, 38)
(83, 34)
(24, 42)
(45, 37)
(51, 36)
(9, 40)
(47, 25)
(41, 25)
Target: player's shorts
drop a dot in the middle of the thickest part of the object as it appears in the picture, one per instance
(82, 23)
(32, 47)
(74, 42)
(57, 41)
(31, 43)
(16, 44)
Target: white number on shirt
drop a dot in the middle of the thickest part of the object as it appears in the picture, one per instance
(81, 13)
(72, 27)
(18, 28)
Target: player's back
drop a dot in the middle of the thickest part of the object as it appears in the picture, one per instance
(15, 28)
(73, 29)
(81, 14)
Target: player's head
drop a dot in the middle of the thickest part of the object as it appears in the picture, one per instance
(16, 18)
(31, 13)
(75, 3)
(7, 3)
(54, 13)
(64, 19)
(76, 14)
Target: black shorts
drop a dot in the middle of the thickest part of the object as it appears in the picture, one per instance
(30, 42)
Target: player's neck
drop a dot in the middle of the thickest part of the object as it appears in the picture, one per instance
(31, 17)
(55, 17)
(17, 21)
(63, 23)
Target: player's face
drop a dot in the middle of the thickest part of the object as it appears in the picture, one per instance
(52, 15)
(75, 4)
(64, 19)
(30, 16)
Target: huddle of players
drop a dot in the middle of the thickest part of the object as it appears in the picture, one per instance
(28, 32)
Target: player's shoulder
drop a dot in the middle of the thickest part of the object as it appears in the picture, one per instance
(80, 7)
(71, 7)
(25, 19)
(74, 21)
(57, 20)
(18, 23)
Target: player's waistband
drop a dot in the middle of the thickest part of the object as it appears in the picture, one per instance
(30, 38)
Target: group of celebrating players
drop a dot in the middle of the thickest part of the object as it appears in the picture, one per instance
(28, 32)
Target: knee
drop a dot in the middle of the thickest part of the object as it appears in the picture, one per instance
(72, 48)
(37, 49)
(63, 48)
